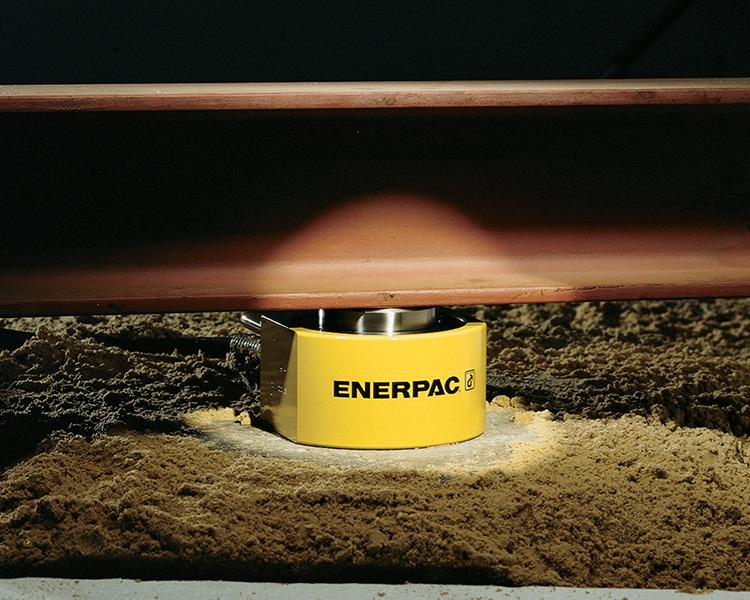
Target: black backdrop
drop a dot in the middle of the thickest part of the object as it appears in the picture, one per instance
(278, 40)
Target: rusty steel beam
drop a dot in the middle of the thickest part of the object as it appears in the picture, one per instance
(110, 211)
(430, 255)
(371, 95)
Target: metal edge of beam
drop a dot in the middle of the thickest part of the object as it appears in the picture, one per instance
(176, 302)
(370, 95)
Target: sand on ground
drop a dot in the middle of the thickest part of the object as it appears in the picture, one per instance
(639, 473)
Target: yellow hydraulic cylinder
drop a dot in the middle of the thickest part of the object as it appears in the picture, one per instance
(361, 390)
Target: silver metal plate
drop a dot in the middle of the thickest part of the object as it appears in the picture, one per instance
(385, 321)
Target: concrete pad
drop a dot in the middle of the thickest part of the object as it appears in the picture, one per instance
(502, 428)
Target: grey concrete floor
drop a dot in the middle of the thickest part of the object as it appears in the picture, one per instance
(33, 588)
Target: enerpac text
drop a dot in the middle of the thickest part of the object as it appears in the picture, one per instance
(382, 390)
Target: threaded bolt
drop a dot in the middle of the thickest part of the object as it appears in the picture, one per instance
(244, 343)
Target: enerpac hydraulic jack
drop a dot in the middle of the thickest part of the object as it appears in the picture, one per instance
(385, 378)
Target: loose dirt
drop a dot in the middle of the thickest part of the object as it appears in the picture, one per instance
(684, 360)
(638, 475)
(63, 380)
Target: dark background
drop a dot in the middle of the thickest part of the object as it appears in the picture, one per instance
(147, 41)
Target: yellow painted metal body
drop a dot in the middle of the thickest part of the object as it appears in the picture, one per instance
(328, 376)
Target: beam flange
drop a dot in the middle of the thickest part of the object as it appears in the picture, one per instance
(371, 95)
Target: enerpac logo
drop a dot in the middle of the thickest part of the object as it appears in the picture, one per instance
(382, 390)
(469, 379)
